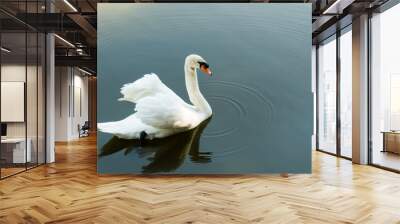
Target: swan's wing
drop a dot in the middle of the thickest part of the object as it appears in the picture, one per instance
(165, 111)
(156, 104)
(148, 85)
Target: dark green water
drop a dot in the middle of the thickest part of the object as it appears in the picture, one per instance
(259, 92)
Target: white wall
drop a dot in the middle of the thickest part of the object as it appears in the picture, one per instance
(80, 105)
(71, 102)
(61, 103)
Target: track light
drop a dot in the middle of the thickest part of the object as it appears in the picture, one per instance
(5, 50)
(70, 5)
(65, 41)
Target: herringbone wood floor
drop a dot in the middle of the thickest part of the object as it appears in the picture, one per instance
(70, 191)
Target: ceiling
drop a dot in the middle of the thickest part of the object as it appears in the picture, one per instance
(76, 21)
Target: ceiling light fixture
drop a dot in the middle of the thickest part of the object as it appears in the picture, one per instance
(64, 40)
(70, 5)
(84, 71)
(5, 50)
(79, 51)
(338, 6)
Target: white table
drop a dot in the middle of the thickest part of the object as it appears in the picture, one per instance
(19, 155)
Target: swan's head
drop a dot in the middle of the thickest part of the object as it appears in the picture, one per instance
(195, 61)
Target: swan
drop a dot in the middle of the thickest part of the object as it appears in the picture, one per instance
(159, 112)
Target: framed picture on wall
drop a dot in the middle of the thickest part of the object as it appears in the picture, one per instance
(204, 88)
(12, 101)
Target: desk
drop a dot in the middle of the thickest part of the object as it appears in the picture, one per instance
(16, 147)
(391, 141)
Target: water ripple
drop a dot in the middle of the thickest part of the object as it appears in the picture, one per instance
(243, 99)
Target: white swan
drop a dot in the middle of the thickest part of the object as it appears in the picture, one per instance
(159, 111)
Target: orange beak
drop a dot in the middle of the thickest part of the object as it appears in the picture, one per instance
(205, 70)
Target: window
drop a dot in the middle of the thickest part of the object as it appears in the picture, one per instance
(327, 95)
(346, 92)
(334, 138)
(385, 89)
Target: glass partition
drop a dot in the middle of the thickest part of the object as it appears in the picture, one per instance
(13, 94)
(22, 88)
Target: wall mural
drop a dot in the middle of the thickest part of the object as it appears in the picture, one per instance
(204, 88)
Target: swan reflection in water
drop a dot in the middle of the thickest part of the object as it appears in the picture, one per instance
(165, 154)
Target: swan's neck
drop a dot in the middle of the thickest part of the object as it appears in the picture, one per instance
(194, 93)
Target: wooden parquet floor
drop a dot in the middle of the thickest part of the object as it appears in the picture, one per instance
(70, 191)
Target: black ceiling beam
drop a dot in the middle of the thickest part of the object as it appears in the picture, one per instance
(8, 24)
(201, 1)
(91, 5)
(87, 51)
(84, 24)
(80, 61)
(49, 22)
(331, 30)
